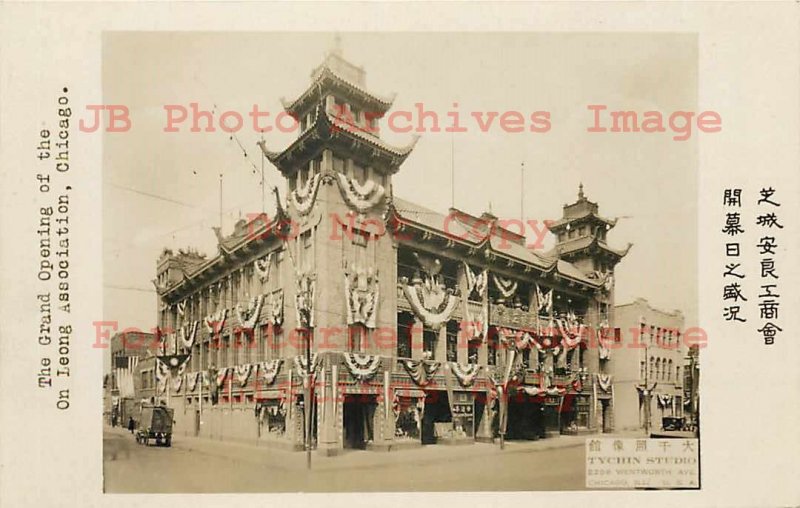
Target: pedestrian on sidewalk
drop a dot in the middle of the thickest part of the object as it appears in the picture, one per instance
(131, 424)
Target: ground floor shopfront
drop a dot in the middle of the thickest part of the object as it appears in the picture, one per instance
(378, 403)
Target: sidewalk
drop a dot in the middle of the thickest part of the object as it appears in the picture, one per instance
(362, 459)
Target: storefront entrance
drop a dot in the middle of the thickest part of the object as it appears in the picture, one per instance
(525, 417)
(437, 411)
(358, 415)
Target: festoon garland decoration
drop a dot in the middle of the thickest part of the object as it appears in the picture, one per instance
(248, 316)
(222, 375)
(362, 367)
(182, 308)
(303, 197)
(420, 371)
(243, 373)
(177, 381)
(269, 370)
(362, 293)
(357, 196)
(507, 287)
(188, 334)
(192, 380)
(216, 321)
(301, 364)
(262, 267)
(604, 382)
(465, 374)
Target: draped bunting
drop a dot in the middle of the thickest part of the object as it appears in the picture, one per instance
(177, 382)
(300, 364)
(162, 375)
(664, 401)
(608, 282)
(507, 287)
(182, 308)
(222, 375)
(215, 322)
(303, 197)
(433, 305)
(269, 370)
(262, 267)
(357, 196)
(188, 334)
(602, 337)
(476, 282)
(477, 326)
(191, 381)
(273, 308)
(304, 300)
(465, 373)
(248, 317)
(604, 382)
(420, 371)
(362, 367)
(571, 331)
(362, 293)
(545, 302)
(243, 373)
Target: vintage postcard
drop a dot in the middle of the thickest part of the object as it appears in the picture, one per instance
(396, 252)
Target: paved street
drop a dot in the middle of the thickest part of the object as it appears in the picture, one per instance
(197, 465)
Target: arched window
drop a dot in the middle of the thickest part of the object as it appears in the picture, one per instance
(669, 371)
(652, 364)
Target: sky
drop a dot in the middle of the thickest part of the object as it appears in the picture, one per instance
(162, 189)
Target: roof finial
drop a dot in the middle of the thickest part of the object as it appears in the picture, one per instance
(337, 45)
(580, 191)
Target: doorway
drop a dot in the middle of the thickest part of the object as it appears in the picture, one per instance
(358, 414)
(605, 415)
(437, 410)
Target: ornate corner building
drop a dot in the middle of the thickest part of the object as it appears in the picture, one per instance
(423, 327)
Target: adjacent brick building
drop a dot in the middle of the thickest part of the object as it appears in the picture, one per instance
(657, 359)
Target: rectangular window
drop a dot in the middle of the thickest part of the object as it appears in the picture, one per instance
(472, 352)
(276, 336)
(308, 253)
(263, 336)
(429, 338)
(357, 338)
(452, 341)
(491, 341)
(404, 323)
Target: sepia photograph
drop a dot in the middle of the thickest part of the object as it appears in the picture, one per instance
(400, 261)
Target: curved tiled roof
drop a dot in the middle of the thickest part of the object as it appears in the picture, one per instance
(449, 227)
(325, 126)
(382, 104)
